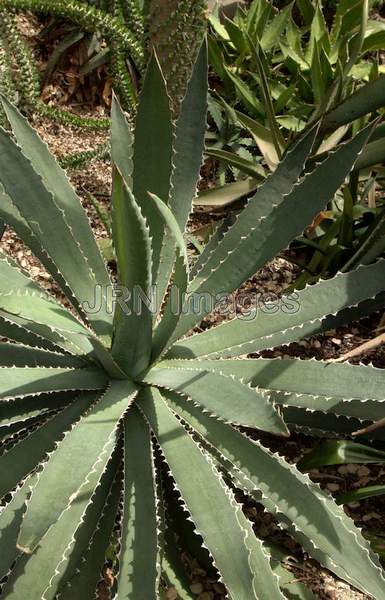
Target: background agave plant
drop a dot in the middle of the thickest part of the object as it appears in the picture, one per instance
(96, 405)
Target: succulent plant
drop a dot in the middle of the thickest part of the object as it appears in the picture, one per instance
(101, 407)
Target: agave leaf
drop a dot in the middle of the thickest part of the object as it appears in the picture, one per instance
(152, 162)
(39, 571)
(224, 396)
(17, 333)
(40, 209)
(19, 295)
(33, 334)
(213, 242)
(245, 573)
(271, 193)
(84, 571)
(17, 355)
(317, 522)
(21, 410)
(267, 239)
(319, 424)
(11, 215)
(10, 520)
(291, 587)
(172, 225)
(327, 378)
(163, 335)
(340, 389)
(132, 339)
(59, 484)
(138, 559)
(18, 382)
(373, 154)
(22, 458)
(56, 181)
(171, 311)
(121, 142)
(189, 142)
(299, 315)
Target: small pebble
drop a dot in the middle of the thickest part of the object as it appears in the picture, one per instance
(206, 596)
(196, 588)
(343, 470)
(352, 468)
(363, 471)
(333, 487)
(317, 344)
(336, 341)
(367, 518)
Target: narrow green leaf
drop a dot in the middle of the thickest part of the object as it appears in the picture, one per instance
(22, 458)
(294, 317)
(138, 560)
(163, 335)
(361, 494)
(18, 382)
(245, 574)
(267, 238)
(11, 518)
(189, 142)
(153, 149)
(133, 321)
(23, 409)
(320, 526)
(89, 569)
(222, 395)
(171, 223)
(251, 168)
(121, 142)
(34, 334)
(56, 181)
(339, 389)
(340, 452)
(41, 571)
(271, 193)
(41, 209)
(227, 194)
(11, 215)
(367, 99)
(21, 296)
(276, 27)
(59, 484)
(17, 355)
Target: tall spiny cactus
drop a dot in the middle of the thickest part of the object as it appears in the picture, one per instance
(176, 30)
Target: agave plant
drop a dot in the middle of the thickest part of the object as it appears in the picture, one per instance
(98, 401)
